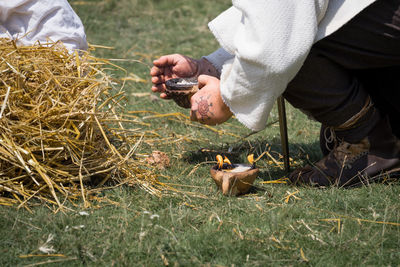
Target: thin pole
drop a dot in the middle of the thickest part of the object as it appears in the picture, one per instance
(283, 131)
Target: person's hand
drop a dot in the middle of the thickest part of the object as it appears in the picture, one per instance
(172, 66)
(178, 66)
(207, 104)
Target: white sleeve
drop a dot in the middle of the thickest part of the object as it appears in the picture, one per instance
(269, 44)
(29, 21)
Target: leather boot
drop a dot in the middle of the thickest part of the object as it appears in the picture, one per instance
(349, 164)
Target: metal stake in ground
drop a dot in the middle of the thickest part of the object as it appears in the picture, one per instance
(283, 132)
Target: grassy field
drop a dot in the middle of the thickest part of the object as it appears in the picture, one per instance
(277, 224)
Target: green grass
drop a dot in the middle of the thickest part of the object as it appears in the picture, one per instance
(129, 227)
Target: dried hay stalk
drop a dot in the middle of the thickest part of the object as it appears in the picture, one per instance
(59, 121)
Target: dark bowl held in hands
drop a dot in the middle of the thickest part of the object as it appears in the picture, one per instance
(181, 90)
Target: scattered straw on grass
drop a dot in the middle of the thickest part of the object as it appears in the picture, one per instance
(61, 126)
(64, 132)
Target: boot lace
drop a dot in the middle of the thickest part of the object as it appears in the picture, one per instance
(330, 138)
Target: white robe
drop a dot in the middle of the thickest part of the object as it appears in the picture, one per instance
(29, 21)
(264, 44)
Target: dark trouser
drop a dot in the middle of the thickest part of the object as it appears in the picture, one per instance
(360, 60)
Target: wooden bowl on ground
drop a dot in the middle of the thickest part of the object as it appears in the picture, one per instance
(234, 182)
(181, 90)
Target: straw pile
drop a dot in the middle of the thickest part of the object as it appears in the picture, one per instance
(60, 126)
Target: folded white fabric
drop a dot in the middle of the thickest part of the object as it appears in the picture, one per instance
(268, 42)
(29, 21)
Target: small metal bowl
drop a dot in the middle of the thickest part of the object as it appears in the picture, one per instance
(181, 90)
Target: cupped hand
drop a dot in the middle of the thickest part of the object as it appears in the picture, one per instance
(172, 66)
(207, 104)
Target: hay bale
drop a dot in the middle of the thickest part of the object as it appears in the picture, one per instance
(59, 121)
